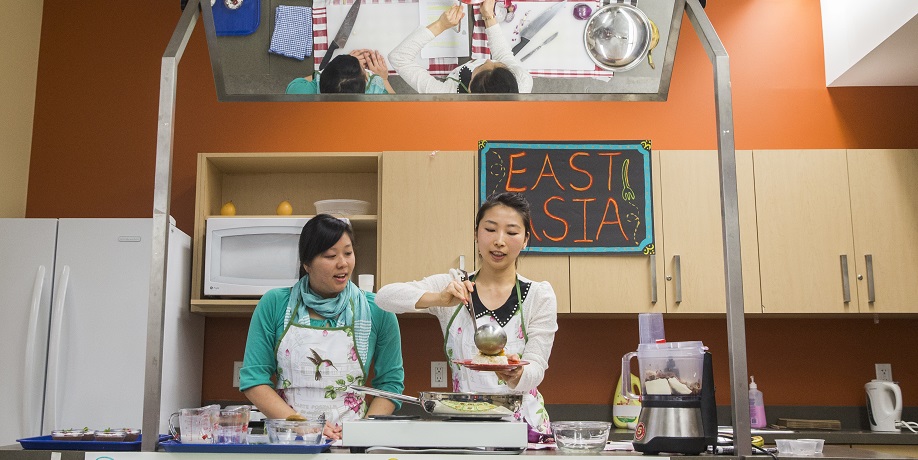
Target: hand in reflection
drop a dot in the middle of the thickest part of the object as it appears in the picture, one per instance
(377, 64)
(332, 431)
(487, 7)
(449, 19)
(361, 56)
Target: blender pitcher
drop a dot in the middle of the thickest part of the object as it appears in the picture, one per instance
(671, 376)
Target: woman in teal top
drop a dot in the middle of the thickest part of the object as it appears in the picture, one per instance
(361, 71)
(320, 337)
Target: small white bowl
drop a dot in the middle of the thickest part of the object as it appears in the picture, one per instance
(804, 447)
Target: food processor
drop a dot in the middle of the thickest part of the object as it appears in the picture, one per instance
(678, 411)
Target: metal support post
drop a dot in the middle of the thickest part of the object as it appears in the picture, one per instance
(733, 267)
(153, 373)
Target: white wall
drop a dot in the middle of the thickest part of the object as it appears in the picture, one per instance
(870, 43)
(20, 33)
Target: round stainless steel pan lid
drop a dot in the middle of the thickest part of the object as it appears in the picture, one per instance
(617, 37)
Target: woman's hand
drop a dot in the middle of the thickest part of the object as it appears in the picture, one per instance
(332, 431)
(487, 8)
(449, 19)
(456, 292)
(361, 56)
(512, 377)
(376, 63)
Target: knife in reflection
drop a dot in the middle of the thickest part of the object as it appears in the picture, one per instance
(531, 29)
(547, 40)
(341, 37)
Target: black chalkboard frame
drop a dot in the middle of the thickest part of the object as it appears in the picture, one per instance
(640, 150)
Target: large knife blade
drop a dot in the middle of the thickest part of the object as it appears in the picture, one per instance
(341, 37)
(531, 29)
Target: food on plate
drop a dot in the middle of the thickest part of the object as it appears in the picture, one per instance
(131, 434)
(67, 435)
(488, 359)
(284, 208)
(228, 209)
(110, 435)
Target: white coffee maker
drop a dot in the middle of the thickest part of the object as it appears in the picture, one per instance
(884, 405)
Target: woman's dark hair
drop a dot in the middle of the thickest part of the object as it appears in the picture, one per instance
(343, 75)
(496, 80)
(320, 233)
(511, 200)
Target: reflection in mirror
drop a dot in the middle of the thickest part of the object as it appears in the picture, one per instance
(561, 49)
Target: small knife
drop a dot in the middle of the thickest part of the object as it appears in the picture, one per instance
(341, 37)
(547, 40)
(531, 29)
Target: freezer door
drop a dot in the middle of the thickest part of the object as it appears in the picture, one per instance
(98, 329)
(26, 270)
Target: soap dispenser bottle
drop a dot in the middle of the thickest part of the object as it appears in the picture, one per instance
(756, 405)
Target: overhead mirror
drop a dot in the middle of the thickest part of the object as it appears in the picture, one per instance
(618, 50)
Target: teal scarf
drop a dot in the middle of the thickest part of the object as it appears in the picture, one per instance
(335, 310)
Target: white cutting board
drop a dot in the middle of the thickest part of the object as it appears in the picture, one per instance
(379, 26)
(566, 51)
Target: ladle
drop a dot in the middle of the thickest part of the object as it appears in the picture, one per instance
(489, 338)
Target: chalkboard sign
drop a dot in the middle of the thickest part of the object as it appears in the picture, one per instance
(585, 196)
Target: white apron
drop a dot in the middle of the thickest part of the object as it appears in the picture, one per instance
(460, 344)
(315, 368)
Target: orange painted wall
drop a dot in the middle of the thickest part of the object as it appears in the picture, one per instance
(95, 137)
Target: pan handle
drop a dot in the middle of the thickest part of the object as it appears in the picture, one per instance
(386, 394)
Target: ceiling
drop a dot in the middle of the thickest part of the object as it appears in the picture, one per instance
(870, 43)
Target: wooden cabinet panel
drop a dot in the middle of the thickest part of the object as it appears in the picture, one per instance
(693, 230)
(552, 268)
(884, 209)
(804, 226)
(427, 216)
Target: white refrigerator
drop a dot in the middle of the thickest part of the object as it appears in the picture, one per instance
(73, 320)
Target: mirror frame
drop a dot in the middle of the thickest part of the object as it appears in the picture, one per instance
(626, 94)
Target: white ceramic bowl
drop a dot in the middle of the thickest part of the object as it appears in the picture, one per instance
(308, 432)
(581, 437)
(805, 447)
(342, 207)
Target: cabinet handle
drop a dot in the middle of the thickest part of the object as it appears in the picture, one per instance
(677, 273)
(653, 278)
(871, 293)
(846, 288)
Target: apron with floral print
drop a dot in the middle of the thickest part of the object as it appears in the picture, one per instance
(460, 345)
(316, 367)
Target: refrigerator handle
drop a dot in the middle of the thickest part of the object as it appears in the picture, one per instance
(54, 348)
(31, 387)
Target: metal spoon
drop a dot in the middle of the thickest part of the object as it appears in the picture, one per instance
(489, 338)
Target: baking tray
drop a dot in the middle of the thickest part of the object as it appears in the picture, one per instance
(241, 21)
(46, 443)
(174, 446)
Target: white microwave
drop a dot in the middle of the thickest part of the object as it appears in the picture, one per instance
(247, 256)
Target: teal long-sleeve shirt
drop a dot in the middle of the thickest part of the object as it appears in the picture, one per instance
(259, 364)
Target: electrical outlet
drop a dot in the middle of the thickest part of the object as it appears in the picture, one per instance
(884, 372)
(237, 365)
(438, 374)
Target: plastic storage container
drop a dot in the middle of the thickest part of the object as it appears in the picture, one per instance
(756, 406)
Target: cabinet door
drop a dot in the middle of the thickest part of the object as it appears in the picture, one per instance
(806, 244)
(552, 268)
(693, 228)
(427, 214)
(885, 218)
(622, 283)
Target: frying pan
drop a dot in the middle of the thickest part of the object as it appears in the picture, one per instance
(457, 405)
(617, 37)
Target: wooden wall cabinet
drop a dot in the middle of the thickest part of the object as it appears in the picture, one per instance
(692, 233)
(824, 216)
(257, 182)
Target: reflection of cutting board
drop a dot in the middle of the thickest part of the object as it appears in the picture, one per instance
(379, 26)
(566, 51)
